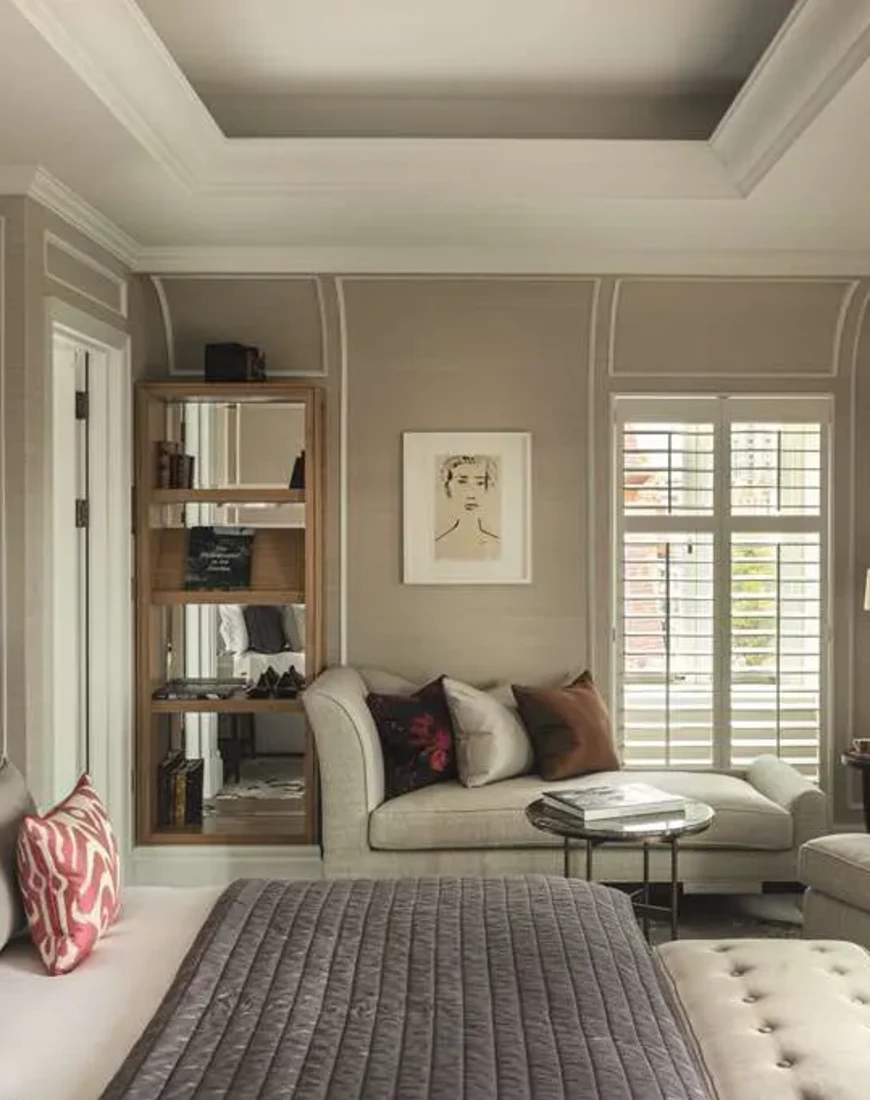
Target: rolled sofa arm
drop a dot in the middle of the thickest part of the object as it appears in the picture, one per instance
(349, 753)
(784, 785)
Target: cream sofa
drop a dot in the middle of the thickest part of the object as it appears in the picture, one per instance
(836, 871)
(762, 818)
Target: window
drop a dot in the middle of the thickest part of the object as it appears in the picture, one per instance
(721, 530)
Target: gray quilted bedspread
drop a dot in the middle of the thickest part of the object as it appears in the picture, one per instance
(421, 989)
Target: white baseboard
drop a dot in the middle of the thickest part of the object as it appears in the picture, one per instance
(214, 866)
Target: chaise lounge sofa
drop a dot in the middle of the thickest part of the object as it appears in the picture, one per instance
(762, 817)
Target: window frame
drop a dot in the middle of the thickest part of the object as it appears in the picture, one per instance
(722, 410)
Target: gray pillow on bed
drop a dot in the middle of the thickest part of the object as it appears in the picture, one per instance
(15, 802)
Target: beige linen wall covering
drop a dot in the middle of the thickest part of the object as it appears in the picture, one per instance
(467, 355)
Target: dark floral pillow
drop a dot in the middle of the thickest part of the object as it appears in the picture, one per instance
(416, 736)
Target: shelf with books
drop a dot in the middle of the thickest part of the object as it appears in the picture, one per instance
(276, 572)
(226, 543)
(227, 496)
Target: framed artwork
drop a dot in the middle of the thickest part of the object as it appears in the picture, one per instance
(467, 507)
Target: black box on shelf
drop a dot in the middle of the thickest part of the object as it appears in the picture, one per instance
(234, 363)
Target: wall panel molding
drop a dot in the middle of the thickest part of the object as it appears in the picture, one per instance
(244, 328)
(61, 260)
(789, 328)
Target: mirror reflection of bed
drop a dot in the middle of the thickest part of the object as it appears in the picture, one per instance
(262, 754)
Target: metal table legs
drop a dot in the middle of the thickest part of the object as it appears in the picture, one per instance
(643, 907)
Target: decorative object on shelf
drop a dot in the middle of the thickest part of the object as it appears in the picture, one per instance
(179, 790)
(200, 688)
(234, 363)
(297, 477)
(175, 469)
(265, 627)
(467, 507)
(219, 558)
(270, 685)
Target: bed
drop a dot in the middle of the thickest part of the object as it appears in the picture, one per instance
(521, 989)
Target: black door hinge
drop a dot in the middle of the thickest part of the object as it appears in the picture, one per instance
(82, 513)
(81, 404)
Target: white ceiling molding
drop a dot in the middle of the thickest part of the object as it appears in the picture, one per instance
(115, 51)
(486, 260)
(819, 47)
(377, 259)
(64, 202)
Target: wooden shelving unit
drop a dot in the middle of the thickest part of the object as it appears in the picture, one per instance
(228, 496)
(285, 569)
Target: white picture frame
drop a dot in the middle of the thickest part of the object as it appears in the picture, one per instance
(467, 506)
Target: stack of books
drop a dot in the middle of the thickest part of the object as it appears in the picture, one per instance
(179, 790)
(174, 467)
(628, 801)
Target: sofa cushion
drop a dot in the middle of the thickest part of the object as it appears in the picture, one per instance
(570, 728)
(839, 866)
(452, 816)
(491, 743)
(416, 735)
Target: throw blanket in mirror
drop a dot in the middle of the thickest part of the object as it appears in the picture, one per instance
(420, 989)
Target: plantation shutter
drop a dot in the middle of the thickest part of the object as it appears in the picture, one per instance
(720, 595)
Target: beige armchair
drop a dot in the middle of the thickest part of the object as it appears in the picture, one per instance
(836, 871)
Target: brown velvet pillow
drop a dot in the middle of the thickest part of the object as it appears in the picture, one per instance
(569, 727)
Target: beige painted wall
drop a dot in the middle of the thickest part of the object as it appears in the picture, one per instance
(37, 270)
(467, 355)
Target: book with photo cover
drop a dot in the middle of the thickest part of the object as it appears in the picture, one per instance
(608, 802)
(219, 558)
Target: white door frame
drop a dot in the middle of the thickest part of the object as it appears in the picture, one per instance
(110, 609)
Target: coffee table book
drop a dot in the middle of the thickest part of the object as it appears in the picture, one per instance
(609, 802)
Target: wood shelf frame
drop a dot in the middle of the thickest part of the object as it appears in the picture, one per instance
(226, 706)
(286, 568)
(227, 496)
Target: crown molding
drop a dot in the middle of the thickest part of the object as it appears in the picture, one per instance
(486, 260)
(115, 51)
(821, 45)
(64, 202)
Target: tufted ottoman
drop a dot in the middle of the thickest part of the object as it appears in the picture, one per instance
(836, 870)
(776, 1019)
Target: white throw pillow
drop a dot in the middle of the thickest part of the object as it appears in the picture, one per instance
(491, 743)
(232, 627)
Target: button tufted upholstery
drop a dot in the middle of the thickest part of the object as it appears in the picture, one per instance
(776, 1019)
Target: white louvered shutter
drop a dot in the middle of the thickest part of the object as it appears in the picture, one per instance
(721, 521)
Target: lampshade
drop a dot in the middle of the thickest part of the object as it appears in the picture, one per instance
(867, 591)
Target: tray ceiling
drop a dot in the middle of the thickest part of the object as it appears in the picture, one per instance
(468, 68)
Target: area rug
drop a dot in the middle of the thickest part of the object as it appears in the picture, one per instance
(735, 916)
(266, 778)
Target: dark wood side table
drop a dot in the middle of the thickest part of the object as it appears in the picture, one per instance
(861, 761)
(634, 831)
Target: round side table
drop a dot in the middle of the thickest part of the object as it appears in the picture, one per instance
(659, 829)
(861, 761)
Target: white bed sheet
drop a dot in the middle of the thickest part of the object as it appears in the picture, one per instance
(63, 1038)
